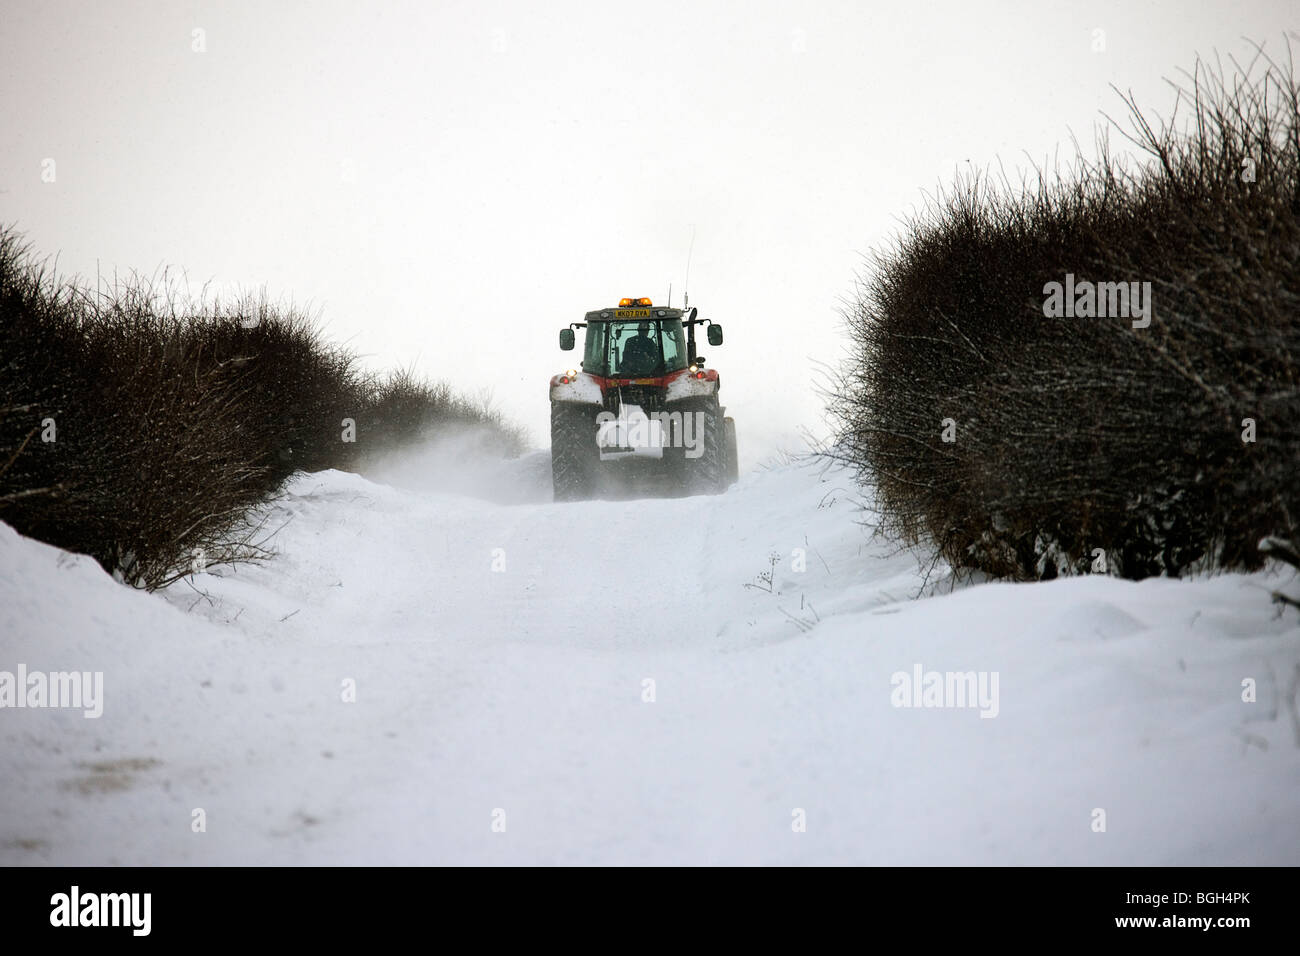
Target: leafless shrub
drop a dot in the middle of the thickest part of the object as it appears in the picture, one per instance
(144, 430)
(1084, 443)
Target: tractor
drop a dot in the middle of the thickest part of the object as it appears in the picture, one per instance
(641, 409)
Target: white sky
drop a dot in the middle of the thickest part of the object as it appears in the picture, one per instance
(449, 183)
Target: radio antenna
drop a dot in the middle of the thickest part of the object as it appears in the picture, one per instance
(670, 295)
(686, 288)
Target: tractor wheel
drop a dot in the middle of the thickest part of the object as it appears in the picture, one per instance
(707, 474)
(733, 461)
(574, 455)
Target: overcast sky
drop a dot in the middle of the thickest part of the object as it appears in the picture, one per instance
(450, 183)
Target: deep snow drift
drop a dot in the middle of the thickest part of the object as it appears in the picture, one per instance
(594, 683)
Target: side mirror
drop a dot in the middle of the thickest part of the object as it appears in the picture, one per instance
(699, 361)
(715, 335)
(566, 339)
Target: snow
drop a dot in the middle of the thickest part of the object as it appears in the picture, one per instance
(583, 388)
(519, 694)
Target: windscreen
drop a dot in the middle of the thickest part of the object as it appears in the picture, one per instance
(636, 348)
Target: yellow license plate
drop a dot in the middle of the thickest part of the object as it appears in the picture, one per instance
(631, 313)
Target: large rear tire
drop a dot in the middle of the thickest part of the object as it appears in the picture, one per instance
(574, 454)
(733, 461)
(706, 474)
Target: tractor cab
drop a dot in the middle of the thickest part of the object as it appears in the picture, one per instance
(639, 340)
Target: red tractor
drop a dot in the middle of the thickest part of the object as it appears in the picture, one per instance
(641, 407)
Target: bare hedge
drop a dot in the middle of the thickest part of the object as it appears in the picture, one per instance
(144, 431)
(1027, 446)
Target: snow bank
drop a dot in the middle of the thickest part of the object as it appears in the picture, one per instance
(414, 670)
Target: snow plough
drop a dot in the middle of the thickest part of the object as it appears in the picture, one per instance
(641, 409)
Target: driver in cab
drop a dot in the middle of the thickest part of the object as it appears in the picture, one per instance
(641, 352)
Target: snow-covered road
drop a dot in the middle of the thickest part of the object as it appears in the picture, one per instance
(433, 678)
